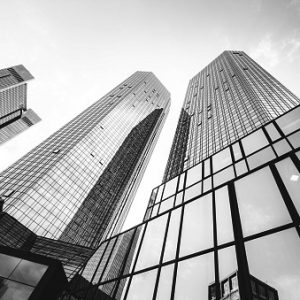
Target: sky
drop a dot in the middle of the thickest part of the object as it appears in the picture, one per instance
(79, 50)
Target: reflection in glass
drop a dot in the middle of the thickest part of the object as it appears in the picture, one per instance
(152, 243)
(221, 159)
(207, 167)
(272, 131)
(165, 283)
(28, 272)
(179, 198)
(159, 193)
(291, 179)
(10, 290)
(193, 191)
(282, 147)
(227, 262)
(237, 153)
(260, 158)
(142, 286)
(223, 176)
(155, 210)
(223, 216)
(7, 264)
(254, 142)
(166, 204)
(194, 174)
(194, 275)
(260, 203)
(170, 188)
(181, 181)
(277, 263)
(289, 122)
(207, 184)
(172, 236)
(197, 227)
(294, 139)
(240, 168)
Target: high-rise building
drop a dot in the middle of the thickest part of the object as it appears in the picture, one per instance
(14, 116)
(232, 207)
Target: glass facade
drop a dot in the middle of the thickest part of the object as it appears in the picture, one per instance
(14, 117)
(77, 185)
(228, 99)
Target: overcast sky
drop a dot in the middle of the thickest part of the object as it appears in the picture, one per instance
(79, 50)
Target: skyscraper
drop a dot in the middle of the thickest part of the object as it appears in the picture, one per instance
(78, 184)
(14, 116)
(231, 208)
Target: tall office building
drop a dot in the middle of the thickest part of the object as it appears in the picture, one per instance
(78, 184)
(14, 116)
(227, 224)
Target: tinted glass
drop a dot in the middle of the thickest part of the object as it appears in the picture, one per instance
(7, 264)
(10, 290)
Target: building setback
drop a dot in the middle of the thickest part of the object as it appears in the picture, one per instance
(224, 223)
(14, 115)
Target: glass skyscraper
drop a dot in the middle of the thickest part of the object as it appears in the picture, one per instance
(77, 185)
(14, 115)
(225, 223)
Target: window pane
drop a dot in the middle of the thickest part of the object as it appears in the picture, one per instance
(237, 151)
(152, 197)
(223, 215)
(240, 168)
(172, 237)
(260, 158)
(170, 188)
(294, 139)
(159, 193)
(282, 147)
(221, 160)
(206, 184)
(260, 203)
(273, 133)
(166, 204)
(181, 181)
(165, 283)
(291, 179)
(7, 264)
(194, 174)
(10, 290)
(223, 176)
(155, 210)
(142, 286)
(193, 191)
(28, 272)
(152, 243)
(197, 228)
(290, 122)
(207, 167)
(179, 198)
(227, 262)
(274, 259)
(194, 275)
(254, 142)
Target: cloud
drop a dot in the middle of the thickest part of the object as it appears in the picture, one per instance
(275, 52)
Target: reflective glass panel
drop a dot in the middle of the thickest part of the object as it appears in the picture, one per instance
(290, 121)
(159, 193)
(207, 167)
(223, 215)
(254, 142)
(274, 259)
(194, 174)
(170, 188)
(28, 272)
(260, 203)
(294, 139)
(152, 243)
(194, 275)
(172, 236)
(291, 179)
(240, 168)
(237, 153)
(166, 204)
(7, 264)
(165, 283)
(221, 160)
(155, 210)
(273, 132)
(10, 290)
(197, 227)
(181, 181)
(260, 158)
(153, 196)
(179, 198)
(227, 262)
(193, 191)
(282, 147)
(223, 176)
(206, 184)
(142, 286)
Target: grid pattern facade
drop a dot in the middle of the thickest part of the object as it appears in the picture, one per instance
(211, 220)
(49, 185)
(228, 99)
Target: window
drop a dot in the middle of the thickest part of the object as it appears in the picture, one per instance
(254, 142)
